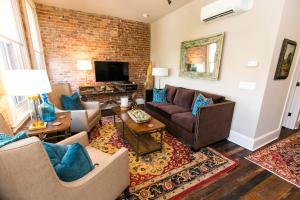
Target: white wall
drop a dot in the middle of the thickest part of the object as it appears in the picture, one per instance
(277, 91)
(249, 36)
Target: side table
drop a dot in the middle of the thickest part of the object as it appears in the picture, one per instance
(50, 131)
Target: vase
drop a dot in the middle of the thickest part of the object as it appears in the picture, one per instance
(47, 110)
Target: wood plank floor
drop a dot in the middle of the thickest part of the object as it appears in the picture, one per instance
(248, 181)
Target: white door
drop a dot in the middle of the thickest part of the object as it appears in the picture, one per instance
(292, 114)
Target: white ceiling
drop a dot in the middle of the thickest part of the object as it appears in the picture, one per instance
(128, 9)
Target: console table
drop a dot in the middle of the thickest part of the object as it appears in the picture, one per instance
(107, 94)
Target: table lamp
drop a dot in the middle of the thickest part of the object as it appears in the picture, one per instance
(160, 72)
(29, 83)
(84, 65)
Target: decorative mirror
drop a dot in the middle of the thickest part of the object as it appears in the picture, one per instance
(201, 58)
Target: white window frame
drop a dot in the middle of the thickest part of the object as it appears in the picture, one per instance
(18, 111)
(33, 51)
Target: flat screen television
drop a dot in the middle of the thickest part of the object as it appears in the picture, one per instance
(111, 71)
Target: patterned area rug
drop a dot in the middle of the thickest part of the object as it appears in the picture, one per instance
(169, 174)
(281, 158)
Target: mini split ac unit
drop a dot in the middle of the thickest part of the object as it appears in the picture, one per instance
(221, 8)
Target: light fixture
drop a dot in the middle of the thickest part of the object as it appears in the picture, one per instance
(30, 83)
(146, 15)
(84, 65)
(160, 72)
(169, 2)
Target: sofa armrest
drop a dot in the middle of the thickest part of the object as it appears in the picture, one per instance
(90, 105)
(148, 95)
(213, 123)
(108, 179)
(81, 138)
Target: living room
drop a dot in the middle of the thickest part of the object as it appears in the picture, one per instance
(162, 99)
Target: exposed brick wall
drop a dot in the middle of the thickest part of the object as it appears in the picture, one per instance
(69, 35)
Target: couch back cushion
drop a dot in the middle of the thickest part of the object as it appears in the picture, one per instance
(171, 91)
(184, 97)
(216, 98)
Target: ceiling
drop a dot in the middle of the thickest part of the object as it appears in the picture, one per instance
(128, 9)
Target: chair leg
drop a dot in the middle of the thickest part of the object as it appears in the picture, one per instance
(127, 193)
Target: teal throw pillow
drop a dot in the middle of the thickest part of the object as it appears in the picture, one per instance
(71, 102)
(7, 139)
(159, 96)
(201, 101)
(70, 162)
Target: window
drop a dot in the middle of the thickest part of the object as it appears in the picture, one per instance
(13, 53)
(37, 49)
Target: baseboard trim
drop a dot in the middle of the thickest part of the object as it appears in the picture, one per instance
(251, 143)
(240, 139)
(266, 139)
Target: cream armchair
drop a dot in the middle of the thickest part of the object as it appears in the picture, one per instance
(82, 120)
(26, 173)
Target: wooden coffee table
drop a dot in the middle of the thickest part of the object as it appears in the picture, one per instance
(50, 131)
(139, 135)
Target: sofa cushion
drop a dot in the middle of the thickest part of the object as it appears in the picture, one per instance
(184, 97)
(186, 120)
(171, 91)
(156, 108)
(172, 109)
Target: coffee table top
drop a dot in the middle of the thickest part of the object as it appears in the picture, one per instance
(66, 123)
(142, 128)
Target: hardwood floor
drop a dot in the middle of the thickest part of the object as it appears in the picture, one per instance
(248, 181)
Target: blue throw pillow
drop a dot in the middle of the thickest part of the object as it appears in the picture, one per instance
(75, 164)
(71, 102)
(70, 162)
(159, 96)
(201, 101)
(7, 139)
(55, 152)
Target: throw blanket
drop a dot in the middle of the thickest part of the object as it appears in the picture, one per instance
(7, 139)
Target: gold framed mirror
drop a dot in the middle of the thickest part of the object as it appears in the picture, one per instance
(201, 58)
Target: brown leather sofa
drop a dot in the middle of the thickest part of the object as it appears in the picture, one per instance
(211, 124)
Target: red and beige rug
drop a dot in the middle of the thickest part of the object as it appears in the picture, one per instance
(281, 158)
(169, 174)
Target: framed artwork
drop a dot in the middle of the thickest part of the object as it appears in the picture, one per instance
(285, 59)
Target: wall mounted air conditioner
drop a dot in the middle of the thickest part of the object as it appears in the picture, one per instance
(221, 8)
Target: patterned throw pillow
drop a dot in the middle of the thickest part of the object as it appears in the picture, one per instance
(201, 101)
(159, 96)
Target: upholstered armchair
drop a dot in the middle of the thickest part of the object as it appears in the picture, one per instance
(26, 172)
(82, 120)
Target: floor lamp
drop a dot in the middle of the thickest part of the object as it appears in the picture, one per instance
(29, 83)
(160, 72)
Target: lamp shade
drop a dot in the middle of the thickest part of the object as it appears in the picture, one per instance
(158, 71)
(26, 82)
(84, 65)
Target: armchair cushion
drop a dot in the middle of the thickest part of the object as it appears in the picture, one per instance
(71, 102)
(55, 152)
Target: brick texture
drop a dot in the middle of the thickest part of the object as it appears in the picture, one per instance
(69, 35)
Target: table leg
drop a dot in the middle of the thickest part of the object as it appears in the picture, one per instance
(137, 149)
(161, 139)
(114, 119)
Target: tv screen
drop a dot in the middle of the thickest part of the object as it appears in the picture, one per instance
(111, 71)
